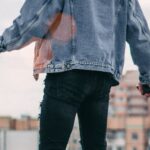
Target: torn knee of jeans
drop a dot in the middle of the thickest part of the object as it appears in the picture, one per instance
(40, 108)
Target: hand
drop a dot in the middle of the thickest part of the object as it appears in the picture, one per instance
(144, 89)
(36, 76)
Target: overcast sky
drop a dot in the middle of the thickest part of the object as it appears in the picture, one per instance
(19, 92)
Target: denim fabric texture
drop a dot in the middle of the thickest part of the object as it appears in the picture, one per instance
(87, 35)
(81, 92)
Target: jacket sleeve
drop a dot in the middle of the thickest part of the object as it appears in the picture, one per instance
(32, 23)
(138, 37)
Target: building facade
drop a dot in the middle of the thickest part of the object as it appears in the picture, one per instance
(129, 116)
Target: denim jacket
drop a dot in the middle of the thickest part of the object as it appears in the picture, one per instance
(81, 34)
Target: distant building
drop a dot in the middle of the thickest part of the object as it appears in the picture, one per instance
(129, 116)
(20, 136)
(18, 140)
(25, 123)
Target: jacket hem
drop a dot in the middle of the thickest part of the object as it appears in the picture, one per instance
(83, 66)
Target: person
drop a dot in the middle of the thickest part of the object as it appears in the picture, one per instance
(80, 46)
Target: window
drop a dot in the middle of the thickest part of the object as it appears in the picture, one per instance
(109, 148)
(134, 148)
(120, 134)
(148, 148)
(134, 137)
(120, 148)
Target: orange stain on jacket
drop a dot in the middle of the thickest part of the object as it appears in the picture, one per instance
(61, 28)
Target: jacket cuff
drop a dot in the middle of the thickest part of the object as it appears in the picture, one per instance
(2, 45)
(144, 79)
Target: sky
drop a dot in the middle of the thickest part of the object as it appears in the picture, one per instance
(19, 93)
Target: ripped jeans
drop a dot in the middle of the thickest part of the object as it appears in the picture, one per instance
(81, 92)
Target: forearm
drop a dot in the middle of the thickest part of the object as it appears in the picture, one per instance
(138, 37)
(33, 23)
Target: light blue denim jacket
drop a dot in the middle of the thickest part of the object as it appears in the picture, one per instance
(82, 34)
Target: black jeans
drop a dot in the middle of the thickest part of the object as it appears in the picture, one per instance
(81, 92)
